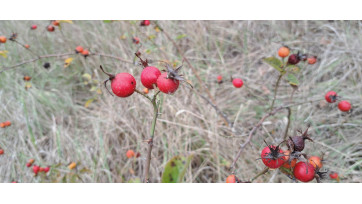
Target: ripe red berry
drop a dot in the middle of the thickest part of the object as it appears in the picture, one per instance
(1, 151)
(238, 83)
(136, 40)
(272, 156)
(33, 27)
(166, 85)
(304, 172)
(28, 164)
(145, 23)
(79, 49)
(36, 169)
(219, 79)
(344, 106)
(130, 154)
(312, 60)
(231, 179)
(333, 175)
(293, 59)
(46, 169)
(123, 84)
(149, 76)
(331, 96)
(50, 28)
(283, 51)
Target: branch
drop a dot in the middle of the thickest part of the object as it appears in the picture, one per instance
(259, 174)
(286, 129)
(112, 56)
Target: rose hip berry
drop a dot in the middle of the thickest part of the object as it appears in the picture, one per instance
(145, 91)
(130, 153)
(2, 39)
(333, 175)
(272, 156)
(312, 59)
(1, 151)
(293, 59)
(283, 51)
(79, 49)
(296, 143)
(149, 76)
(145, 23)
(36, 169)
(289, 164)
(232, 179)
(85, 53)
(33, 27)
(238, 83)
(315, 161)
(123, 84)
(46, 169)
(167, 85)
(304, 172)
(56, 23)
(344, 106)
(331, 96)
(51, 28)
(219, 79)
(136, 40)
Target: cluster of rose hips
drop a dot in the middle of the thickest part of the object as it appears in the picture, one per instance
(275, 157)
(84, 52)
(5, 124)
(296, 58)
(332, 97)
(237, 82)
(130, 153)
(124, 84)
(36, 168)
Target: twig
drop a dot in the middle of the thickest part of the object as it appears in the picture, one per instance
(275, 91)
(259, 174)
(286, 129)
(112, 56)
(192, 68)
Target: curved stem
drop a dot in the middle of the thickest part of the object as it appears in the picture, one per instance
(259, 174)
(286, 129)
(275, 91)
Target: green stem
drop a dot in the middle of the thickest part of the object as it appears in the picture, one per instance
(275, 91)
(259, 174)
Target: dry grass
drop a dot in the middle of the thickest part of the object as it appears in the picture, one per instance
(51, 124)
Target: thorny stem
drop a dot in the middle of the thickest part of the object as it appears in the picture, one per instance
(286, 129)
(150, 140)
(259, 174)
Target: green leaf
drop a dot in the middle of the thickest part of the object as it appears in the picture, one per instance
(274, 62)
(175, 169)
(293, 80)
(293, 68)
(180, 36)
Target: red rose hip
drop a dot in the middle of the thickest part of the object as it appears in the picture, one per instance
(304, 172)
(231, 179)
(33, 27)
(122, 84)
(149, 76)
(238, 83)
(344, 106)
(166, 85)
(331, 96)
(273, 157)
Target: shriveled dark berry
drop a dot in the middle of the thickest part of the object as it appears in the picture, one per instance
(46, 65)
(296, 143)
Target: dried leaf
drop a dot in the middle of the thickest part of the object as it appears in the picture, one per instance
(67, 62)
(88, 102)
(66, 21)
(4, 53)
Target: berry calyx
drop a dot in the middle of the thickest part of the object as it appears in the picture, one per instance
(79, 49)
(344, 106)
(33, 27)
(316, 162)
(149, 77)
(2, 39)
(145, 23)
(312, 59)
(331, 96)
(296, 143)
(283, 51)
(304, 172)
(123, 84)
(167, 85)
(272, 156)
(51, 28)
(130, 153)
(232, 179)
(238, 83)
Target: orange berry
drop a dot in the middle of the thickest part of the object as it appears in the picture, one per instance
(312, 60)
(2, 39)
(72, 165)
(2, 125)
(130, 154)
(231, 179)
(41, 169)
(7, 123)
(27, 46)
(56, 23)
(79, 49)
(1, 151)
(31, 161)
(27, 78)
(85, 53)
(286, 163)
(315, 161)
(145, 90)
(283, 51)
